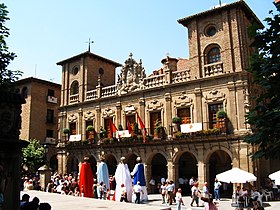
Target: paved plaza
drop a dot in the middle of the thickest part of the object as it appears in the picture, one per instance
(67, 202)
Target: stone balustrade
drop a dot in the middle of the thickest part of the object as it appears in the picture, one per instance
(213, 69)
(109, 91)
(91, 95)
(154, 81)
(74, 98)
(181, 76)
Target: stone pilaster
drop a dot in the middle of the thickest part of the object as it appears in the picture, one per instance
(168, 114)
(81, 125)
(98, 117)
(240, 104)
(119, 114)
(231, 106)
(198, 104)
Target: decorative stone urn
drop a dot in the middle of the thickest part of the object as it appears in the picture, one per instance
(10, 150)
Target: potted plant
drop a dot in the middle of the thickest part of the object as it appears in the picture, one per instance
(90, 133)
(90, 128)
(176, 120)
(66, 130)
(158, 129)
(221, 120)
(120, 128)
(221, 114)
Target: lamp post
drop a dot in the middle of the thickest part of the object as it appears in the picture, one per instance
(44, 170)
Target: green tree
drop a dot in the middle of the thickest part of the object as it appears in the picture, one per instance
(264, 117)
(7, 77)
(33, 155)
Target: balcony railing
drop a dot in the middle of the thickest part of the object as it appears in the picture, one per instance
(109, 91)
(181, 76)
(92, 94)
(166, 134)
(74, 98)
(213, 69)
(154, 81)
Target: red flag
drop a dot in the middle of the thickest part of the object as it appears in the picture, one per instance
(128, 125)
(142, 126)
(113, 128)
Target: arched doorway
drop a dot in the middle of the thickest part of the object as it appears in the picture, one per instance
(72, 165)
(93, 165)
(219, 162)
(158, 168)
(112, 164)
(187, 169)
(131, 161)
(54, 163)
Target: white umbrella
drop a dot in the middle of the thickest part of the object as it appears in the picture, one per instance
(275, 176)
(236, 175)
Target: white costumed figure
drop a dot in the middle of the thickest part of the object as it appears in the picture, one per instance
(139, 175)
(122, 176)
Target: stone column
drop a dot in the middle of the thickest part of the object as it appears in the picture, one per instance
(148, 175)
(170, 170)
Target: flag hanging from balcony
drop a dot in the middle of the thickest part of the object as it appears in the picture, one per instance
(142, 126)
(113, 128)
(128, 125)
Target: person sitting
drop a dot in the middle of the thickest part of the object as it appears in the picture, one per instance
(256, 198)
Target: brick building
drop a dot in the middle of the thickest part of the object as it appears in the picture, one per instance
(213, 81)
(39, 113)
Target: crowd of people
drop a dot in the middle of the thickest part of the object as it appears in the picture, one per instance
(126, 186)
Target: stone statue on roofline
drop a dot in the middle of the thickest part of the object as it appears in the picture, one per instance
(131, 77)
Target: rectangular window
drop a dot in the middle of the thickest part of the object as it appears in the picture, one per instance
(88, 123)
(185, 114)
(50, 92)
(212, 110)
(50, 116)
(131, 120)
(49, 134)
(73, 129)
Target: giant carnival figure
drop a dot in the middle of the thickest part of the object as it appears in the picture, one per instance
(86, 179)
(139, 175)
(122, 177)
(103, 173)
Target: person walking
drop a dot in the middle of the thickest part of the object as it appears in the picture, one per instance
(137, 191)
(179, 199)
(217, 186)
(195, 194)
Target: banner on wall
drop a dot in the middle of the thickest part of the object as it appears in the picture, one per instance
(192, 127)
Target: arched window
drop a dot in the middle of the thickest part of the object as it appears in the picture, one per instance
(213, 55)
(74, 88)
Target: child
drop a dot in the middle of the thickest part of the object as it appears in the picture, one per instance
(179, 199)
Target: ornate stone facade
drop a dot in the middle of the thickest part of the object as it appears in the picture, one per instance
(213, 78)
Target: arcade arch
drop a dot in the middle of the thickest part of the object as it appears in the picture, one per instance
(218, 162)
(54, 163)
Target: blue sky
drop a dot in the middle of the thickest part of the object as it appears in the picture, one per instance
(45, 32)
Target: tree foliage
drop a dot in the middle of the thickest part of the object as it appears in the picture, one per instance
(7, 77)
(265, 115)
(33, 155)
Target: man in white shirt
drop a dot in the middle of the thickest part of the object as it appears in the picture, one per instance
(137, 191)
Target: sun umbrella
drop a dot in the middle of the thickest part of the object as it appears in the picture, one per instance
(236, 175)
(275, 176)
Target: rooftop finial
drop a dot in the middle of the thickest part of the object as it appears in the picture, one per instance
(89, 42)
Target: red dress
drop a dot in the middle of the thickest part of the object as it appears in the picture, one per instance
(86, 180)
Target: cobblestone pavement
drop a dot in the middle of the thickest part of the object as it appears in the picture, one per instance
(67, 202)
